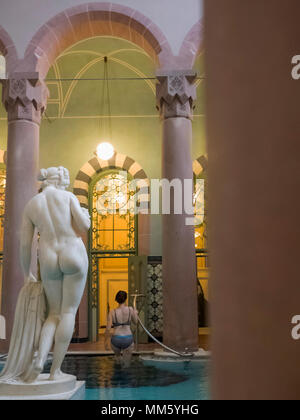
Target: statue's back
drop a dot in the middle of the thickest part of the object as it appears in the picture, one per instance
(50, 212)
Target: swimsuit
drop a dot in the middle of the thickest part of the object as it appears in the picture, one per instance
(121, 342)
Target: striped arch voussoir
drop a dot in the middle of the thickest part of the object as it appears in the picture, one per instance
(200, 165)
(118, 161)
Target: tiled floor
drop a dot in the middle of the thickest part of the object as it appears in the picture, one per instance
(99, 346)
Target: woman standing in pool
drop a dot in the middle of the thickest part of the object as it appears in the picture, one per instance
(120, 319)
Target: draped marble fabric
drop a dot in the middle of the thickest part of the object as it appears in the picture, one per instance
(29, 318)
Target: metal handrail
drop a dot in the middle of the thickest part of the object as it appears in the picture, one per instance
(136, 295)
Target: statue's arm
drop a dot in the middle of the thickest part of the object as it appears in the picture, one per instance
(27, 232)
(80, 215)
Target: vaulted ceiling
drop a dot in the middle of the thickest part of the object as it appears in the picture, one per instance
(82, 98)
(79, 103)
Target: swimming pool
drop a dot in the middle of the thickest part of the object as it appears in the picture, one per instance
(144, 380)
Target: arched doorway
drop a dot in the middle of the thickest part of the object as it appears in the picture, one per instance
(113, 238)
(116, 192)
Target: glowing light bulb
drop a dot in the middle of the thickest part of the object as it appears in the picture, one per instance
(105, 151)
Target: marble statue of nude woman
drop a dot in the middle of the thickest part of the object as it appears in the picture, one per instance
(57, 216)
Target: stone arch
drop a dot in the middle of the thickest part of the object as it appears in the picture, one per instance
(89, 20)
(200, 165)
(192, 45)
(125, 163)
(118, 161)
(8, 49)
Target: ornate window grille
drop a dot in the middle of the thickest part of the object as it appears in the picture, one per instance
(113, 215)
(200, 197)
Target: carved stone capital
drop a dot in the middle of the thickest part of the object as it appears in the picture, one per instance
(175, 94)
(24, 96)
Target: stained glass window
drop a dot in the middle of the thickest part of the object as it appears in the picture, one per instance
(200, 215)
(202, 259)
(113, 214)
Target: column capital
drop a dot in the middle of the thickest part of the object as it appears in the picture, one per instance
(175, 93)
(24, 96)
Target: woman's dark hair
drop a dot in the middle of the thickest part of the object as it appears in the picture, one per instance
(121, 297)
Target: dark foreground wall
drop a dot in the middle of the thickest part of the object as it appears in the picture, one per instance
(253, 125)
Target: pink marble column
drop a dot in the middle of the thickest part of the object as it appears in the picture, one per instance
(175, 95)
(24, 97)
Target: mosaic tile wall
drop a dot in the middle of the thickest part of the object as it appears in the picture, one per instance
(155, 296)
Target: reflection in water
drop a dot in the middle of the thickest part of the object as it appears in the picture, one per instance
(103, 372)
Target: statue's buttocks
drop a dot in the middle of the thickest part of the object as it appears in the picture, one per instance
(54, 213)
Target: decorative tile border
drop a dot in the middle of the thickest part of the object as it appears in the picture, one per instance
(155, 296)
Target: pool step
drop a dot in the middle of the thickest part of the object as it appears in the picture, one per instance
(165, 356)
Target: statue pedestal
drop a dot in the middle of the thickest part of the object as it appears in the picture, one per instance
(64, 388)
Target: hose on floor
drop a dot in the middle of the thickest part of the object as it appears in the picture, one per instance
(155, 339)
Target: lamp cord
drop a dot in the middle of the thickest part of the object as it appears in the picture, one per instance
(108, 96)
(105, 96)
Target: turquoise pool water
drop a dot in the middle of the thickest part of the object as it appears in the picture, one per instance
(144, 380)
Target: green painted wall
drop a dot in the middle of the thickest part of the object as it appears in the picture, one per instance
(3, 134)
(77, 119)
